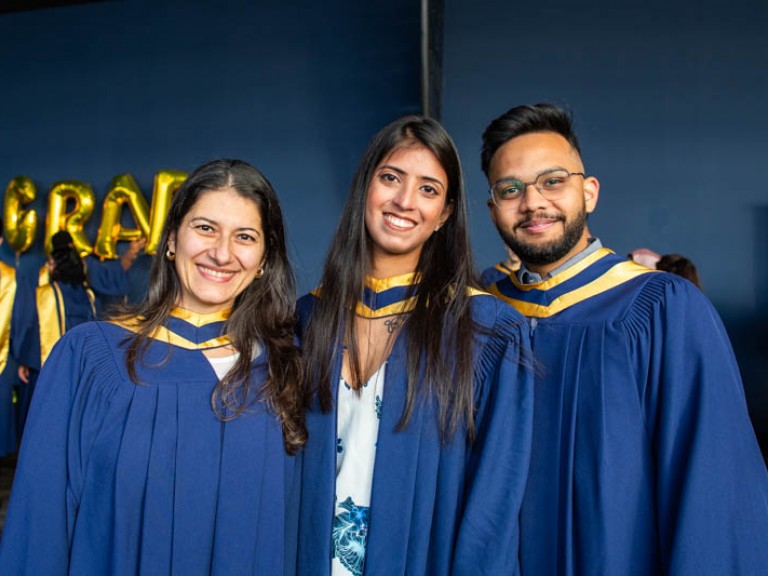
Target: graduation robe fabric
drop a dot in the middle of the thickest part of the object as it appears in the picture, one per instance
(109, 282)
(107, 277)
(436, 510)
(25, 334)
(117, 478)
(644, 459)
(494, 274)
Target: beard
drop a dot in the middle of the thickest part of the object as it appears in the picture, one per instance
(550, 252)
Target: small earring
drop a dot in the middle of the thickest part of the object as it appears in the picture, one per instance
(437, 227)
(170, 255)
(259, 271)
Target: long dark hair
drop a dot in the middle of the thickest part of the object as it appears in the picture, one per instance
(439, 329)
(263, 313)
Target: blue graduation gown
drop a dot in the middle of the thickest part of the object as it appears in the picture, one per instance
(494, 274)
(113, 285)
(25, 334)
(644, 459)
(107, 277)
(119, 478)
(8, 379)
(435, 509)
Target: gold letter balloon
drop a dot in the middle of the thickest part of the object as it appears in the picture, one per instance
(123, 190)
(58, 218)
(20, 224)
(166, 184)
(71, 204)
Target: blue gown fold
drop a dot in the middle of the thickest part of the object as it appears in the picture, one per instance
(436, 508)
(644, 459)
(122, 478)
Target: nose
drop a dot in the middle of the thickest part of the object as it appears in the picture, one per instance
(220, 250)
(405, 198)
(532, 199)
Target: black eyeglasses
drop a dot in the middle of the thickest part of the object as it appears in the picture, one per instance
(550, 185)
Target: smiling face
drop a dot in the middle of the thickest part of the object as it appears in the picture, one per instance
(406, 202)
(220, 248)
(543, 233)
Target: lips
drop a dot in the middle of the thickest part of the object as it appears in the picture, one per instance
(536, 224)
(398, 222)
(215, 274)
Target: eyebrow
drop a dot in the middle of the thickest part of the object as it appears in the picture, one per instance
(518, 178)
(206, 219)
(404, 173)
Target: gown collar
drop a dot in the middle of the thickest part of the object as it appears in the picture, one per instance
(197, 331)
(388, 296)
(187, 329)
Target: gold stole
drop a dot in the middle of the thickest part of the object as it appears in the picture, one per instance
(51, 316)
(7, 295)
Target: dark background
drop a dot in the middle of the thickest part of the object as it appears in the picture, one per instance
(668, 99)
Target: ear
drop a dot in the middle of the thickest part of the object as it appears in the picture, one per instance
(492, 210)
(591, 193)
(447, 211)
(172, 241)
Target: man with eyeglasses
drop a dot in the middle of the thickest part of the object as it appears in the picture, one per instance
(644, 460)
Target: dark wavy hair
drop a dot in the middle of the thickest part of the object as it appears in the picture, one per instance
(263, 313)
(439, 329)
(68, 267)
(680, 265)
(526, 119)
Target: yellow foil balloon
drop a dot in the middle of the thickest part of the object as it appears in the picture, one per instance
(58, 218)
(122, 191)
(20, 224)
(166, 184)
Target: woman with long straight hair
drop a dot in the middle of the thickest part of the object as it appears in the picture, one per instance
(420, 398)
(158, 442)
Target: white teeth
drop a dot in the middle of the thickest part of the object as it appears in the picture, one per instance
(400, 222)
(216, 273)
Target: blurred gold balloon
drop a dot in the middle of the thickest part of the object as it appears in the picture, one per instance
(20, 224)
(59, 219)
(166, 184)
(123, 190)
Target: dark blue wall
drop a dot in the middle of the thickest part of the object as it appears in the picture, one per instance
(669, 101)
(297, 89)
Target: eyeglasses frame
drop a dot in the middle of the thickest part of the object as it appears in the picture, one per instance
(534, 183)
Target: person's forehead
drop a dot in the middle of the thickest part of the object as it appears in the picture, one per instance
(531, 153)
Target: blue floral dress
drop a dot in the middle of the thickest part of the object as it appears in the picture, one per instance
(358, 415)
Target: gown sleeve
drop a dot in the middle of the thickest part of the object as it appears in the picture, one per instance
(712, 486)
(60, 429)
(107, 278)
(489, 533)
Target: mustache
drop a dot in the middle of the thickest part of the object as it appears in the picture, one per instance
(540, 216)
